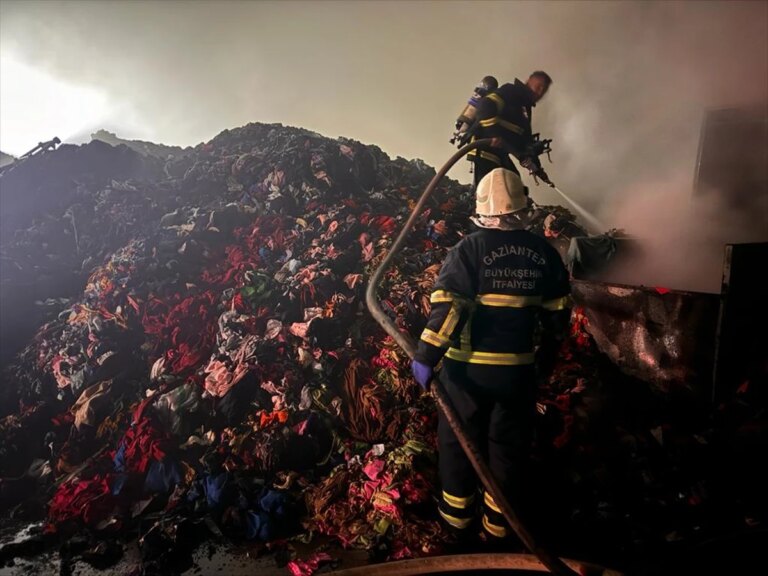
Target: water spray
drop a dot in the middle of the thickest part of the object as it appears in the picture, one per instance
(593, 222)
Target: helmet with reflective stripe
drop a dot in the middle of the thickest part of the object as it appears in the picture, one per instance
(500, 192)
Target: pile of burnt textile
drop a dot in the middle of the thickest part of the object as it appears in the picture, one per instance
(220, 376)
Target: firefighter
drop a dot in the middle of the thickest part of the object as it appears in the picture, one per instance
(505, 114)
(494, 288)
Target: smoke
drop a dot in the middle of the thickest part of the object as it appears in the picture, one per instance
(633, 80)
(681, 236)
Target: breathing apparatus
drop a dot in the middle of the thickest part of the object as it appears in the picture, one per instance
(467, 120)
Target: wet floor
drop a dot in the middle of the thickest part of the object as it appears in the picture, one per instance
(208, 559)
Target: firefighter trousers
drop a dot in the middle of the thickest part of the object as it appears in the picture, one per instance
(496, 405)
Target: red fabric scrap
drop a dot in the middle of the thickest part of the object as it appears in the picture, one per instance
(400, 551)
(565, 435)
(416, 489)
(267, 418)
(143, 441)
(310, 565)
(385, 224)
(184, 329)
(88, 500)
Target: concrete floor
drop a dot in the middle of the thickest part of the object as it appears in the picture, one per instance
(208, 559)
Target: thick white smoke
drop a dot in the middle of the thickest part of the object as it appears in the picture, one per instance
(633, 80)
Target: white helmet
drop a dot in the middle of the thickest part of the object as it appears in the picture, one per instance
(500, 192)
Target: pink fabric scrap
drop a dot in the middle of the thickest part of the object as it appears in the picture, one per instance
(299, 329)
(310, 565)
(373, 469)
(352, 280)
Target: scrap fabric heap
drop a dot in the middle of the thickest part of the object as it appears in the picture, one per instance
(221, 363)
(219, 372)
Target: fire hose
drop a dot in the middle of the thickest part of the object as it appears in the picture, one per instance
(546, 559)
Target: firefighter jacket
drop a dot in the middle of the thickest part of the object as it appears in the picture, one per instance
(493, 289)
(505, 113)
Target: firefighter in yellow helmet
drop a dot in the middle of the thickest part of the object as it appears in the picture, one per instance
(494, 288)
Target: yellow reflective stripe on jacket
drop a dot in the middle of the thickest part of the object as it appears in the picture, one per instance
(508, 300)
(458, 501)
(485, 156)
(498, 531)
(495, 358)
(451, 320)
(432, 337)
(488, 156)
(503, 123)
(557, 303)
(466, 332)
(439, 296)
(456, 522)
(465, 335)
(491, 503)
(498, 100)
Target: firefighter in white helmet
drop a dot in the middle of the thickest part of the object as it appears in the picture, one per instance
(494, 288)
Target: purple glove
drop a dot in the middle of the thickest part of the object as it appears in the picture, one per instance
(422, 373)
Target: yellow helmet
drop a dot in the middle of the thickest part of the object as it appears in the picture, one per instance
(500, 192)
